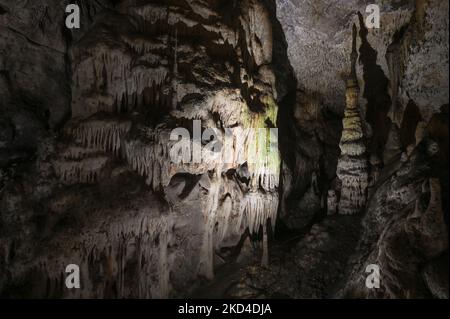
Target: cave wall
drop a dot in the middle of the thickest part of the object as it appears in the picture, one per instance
(396, 101)
(403, 101)
(86, 176)
(97, 187)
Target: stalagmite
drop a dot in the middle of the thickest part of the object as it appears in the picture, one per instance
(352, 167)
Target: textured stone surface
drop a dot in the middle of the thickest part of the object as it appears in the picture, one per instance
(352, 168)
(404, 229)
(138, 70)
(86, 176)
(319, 44)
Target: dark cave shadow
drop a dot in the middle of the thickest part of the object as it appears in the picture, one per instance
(376, 92)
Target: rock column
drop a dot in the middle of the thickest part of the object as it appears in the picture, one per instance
(352, 167)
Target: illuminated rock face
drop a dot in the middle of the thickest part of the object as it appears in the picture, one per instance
(86, 175)
(148, 83)
(139, 70)
(352, 167)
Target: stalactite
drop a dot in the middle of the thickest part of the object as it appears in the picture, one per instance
(149, 155)
(150, 160)
(116, 80)
(101, 135)
(107, 253)
(77, 153)
(87, 170)
(151, 14)
(210, 214)
(258, 208)
(175, 74)
(135, 73)
(224, 221)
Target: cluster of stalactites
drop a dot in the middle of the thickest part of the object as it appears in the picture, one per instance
(264, 164)
(229, 217)
(119, 84)
(85, 171)
(85, 160)
(258, 208)
(101, 135)
(150, 160)
(141, 241)
(135, 236)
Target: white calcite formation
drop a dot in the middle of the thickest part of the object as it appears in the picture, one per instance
(353, 168)
(137, 75)
(88, 170)
(101, 135)
(87, 175)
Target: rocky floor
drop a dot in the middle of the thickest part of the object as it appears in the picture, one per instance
(302, 266)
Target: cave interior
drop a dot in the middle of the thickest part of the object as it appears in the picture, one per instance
(355, 174)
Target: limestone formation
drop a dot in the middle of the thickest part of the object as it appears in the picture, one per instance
(352, 167)
(143, 147)
(139, 71)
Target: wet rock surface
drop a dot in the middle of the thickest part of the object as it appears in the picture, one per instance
(136, 71)
(86, 175)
